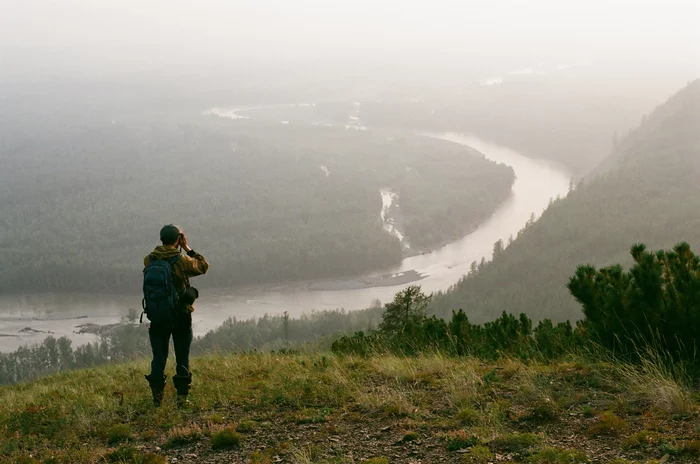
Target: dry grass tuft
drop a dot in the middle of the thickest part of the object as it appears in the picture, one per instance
(386, 401)
(478, 454)
(459, 439)
(515, 442)
(190, 433)
(655, 384)
(608, 424)
(643, 439)
(551, 455)
(690, 448)
(468, 416)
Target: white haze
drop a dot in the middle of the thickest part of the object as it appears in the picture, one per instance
(44, 38)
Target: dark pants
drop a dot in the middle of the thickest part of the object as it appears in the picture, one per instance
(159, 335)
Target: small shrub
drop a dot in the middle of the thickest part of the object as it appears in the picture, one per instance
(460, 440)
(615, 300)
(643, 439)
(668, 448)
(515, 442)
(311, 416)
(478, 454)
(307, 455)
(118, 433)
(557, 456)
(543, 411)
(148, 435)
(123, 454)
(260, 457)
(216, 418)
(588, 411)
(410, 436)
(377, 460)
(468, 416)
(226, 439)
(396, 409)
(490, 378)
(246, 426)
(607, 424)
(184, 435)
(498, 411)
(690, 448)
(150, 458)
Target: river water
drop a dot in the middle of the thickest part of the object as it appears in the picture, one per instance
(537, 182)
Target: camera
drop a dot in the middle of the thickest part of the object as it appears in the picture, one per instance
(189, 295)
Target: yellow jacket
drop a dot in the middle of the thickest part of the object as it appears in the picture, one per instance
(184, 268)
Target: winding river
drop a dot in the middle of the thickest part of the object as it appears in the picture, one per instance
(536, 183)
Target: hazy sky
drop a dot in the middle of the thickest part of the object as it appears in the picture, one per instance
(65, 35)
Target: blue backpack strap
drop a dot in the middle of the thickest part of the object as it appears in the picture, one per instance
(172, 262)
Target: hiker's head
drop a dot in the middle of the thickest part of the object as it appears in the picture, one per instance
(170, 234)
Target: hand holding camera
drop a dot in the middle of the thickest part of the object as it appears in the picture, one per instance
(183, 241)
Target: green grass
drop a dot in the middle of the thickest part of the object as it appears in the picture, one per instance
(225, 439)
(246, 426)
(468, 416)
(460, 439)
(118, 433)
(643, 439)
(478, 454)
(608, 423)
(515, 442)
(321, 408)
(558, 456)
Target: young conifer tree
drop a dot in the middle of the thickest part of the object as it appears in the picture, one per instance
(409, 306)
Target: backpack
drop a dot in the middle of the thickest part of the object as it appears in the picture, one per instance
(159, 293)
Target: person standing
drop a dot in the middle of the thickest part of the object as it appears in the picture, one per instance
(168, 299)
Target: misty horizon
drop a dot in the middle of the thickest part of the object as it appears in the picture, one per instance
(74, 38)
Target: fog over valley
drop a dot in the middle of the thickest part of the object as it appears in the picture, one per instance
(325, 155)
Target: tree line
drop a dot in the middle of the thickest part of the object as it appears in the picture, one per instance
(654, 307)
(129, 341)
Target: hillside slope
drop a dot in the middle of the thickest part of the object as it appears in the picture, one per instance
(319, 408)
(648, 193)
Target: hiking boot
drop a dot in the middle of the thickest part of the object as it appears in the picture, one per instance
(157, 388)
(183, 402)
(182, 383)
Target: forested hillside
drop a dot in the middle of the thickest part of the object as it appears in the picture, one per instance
(648, 193)
(83, 202)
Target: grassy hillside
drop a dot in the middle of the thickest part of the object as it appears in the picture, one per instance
(318, 408)
(648, 193)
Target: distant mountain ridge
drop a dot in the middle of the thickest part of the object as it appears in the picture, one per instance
(647, 191)
(664, 118)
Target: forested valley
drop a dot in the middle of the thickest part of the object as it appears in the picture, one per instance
(84, 198)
